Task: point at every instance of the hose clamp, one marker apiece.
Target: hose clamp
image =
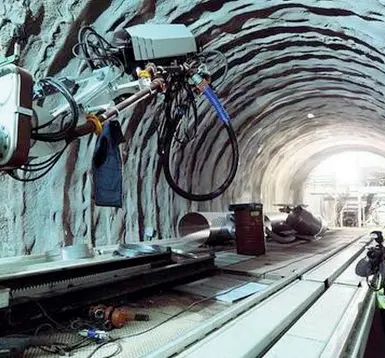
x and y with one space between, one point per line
96 122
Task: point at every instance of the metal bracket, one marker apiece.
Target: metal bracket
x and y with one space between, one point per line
13 59
8 60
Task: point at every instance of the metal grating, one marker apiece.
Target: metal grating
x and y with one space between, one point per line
160 308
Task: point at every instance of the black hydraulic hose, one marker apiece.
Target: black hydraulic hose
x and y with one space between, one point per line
166 143
165 159
74 113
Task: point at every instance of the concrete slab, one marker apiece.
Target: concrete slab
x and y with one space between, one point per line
349 277
334 311
251 333
295 347
333 267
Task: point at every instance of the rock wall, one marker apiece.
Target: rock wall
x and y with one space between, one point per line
287 59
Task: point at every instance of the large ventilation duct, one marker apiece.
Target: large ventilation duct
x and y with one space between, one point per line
211 227
277 228
305 223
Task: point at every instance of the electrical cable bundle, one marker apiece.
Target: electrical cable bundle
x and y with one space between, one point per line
45 166
95 50
178 89
179 107
69 120
66 127
205 55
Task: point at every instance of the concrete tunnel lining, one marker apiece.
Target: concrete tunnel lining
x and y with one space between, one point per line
364 94
288 170
303 172
286 59
288 187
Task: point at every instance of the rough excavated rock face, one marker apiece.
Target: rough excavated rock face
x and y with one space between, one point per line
286 59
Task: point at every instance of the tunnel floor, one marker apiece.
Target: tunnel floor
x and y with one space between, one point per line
282 259
193 303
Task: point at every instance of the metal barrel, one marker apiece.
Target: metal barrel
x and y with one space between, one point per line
249 228
213 227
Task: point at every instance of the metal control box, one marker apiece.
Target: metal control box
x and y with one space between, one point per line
152 41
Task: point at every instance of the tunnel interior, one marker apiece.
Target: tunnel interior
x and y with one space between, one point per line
347 189
305 82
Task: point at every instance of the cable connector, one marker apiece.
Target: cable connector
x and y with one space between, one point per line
95 334
145 77
199 82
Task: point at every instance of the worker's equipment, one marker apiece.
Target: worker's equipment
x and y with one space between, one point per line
107 166
249 228
372 266
114 317
140 62
96 334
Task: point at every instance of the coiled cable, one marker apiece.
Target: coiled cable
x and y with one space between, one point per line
165 152
73 113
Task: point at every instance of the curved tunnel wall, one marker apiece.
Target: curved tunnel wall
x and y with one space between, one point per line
287 172
303 173
286 59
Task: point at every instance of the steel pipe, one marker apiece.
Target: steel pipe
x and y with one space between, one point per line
212 227
112 112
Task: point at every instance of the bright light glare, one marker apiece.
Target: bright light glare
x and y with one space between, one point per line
346 173
349 168
344 167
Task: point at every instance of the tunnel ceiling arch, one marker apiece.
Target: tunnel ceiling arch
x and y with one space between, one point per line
289 59
286 59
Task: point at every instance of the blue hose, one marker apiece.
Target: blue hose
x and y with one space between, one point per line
213 99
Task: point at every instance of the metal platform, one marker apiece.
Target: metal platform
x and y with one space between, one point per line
61 287
324 330
255 325
308 296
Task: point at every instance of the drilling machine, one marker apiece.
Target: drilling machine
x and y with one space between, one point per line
140 62
36 128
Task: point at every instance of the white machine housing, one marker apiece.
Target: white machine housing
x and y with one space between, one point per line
16 113
96 91
151 41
